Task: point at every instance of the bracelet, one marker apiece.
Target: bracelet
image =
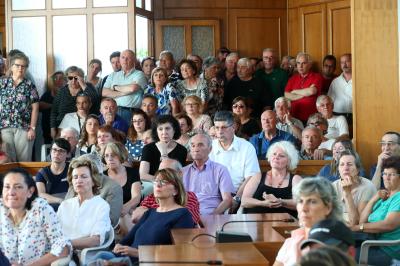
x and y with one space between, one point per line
114 87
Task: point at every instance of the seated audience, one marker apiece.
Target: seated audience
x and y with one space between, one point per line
94 68
353 190
193 107
186 126
211 67
77 119
274 78
65 99
148 64
310 141
167 96
330 171
30 231
150 106
326 256
390 146
328 72
135 140
209 180
85 218
337 125
191 84
285 121
316 200
192 203
72 136
109 116
252 88
165 132
128 178
108 189
51 181
269 134
272 193
235 153
105 135
317 120
303 88
249 126
88 139
381 216
155 225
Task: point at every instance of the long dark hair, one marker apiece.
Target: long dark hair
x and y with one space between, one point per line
132 134
28 180
84 135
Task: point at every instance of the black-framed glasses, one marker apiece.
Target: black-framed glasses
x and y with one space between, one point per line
71 78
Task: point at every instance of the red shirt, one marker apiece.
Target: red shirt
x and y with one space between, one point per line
192 204
305 106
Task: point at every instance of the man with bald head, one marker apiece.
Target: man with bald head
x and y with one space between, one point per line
269 134
245 85
126 86
303 88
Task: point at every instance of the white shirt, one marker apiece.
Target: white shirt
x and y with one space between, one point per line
337 126
341 93
240 159
90 218
72 120
287 128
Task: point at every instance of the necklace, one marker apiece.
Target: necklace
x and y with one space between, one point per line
269 177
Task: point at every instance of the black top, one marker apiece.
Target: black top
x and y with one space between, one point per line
132 177
250 128
47 98
282 192
55 184
152 155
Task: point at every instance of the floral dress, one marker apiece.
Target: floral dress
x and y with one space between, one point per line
165 97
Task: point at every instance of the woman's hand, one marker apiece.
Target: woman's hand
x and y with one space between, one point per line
126 250
271 201
382 194
125 210
81 82
347 183
31 134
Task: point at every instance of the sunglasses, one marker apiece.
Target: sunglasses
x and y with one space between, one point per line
71 78
238 106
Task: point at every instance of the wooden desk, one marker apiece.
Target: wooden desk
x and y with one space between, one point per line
268 237
228 253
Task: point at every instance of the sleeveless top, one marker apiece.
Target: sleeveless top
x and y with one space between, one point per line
132 176
281 192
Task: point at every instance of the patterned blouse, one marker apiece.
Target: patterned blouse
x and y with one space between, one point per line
16 103
38 234
134 149
165 97
215 97
201 89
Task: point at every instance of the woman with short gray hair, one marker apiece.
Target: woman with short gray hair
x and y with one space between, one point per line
211 67
316 200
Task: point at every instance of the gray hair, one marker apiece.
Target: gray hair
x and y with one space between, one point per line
289 149
272 50
95 159
321 98
244 61
353 153
73 130
210 61
325 190
284 100
319 118
167 53
313 128
233 54
305 55
224 116
21 56
206 136
74 69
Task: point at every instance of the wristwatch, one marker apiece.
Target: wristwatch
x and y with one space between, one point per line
362 227
237 199
33 128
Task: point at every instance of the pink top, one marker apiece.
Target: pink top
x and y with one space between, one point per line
290 254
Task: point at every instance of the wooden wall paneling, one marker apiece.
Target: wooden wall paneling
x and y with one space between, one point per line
313 31
294 32
339 28
376 97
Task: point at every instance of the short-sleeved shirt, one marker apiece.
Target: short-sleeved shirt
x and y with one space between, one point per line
72 120
290 252
209 184
337 126
380 211
305 106
132 177
59 183
258 139
274 81
133 100
201 89
240 159
341 92
16 103
165 97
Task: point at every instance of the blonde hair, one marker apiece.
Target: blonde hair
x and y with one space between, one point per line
196 99
94 172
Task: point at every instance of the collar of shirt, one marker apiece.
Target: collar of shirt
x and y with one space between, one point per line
206 165
234 146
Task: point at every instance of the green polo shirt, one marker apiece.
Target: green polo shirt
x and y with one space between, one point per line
274 81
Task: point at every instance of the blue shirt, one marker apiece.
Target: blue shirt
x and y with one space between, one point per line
258 139
326 172
118 123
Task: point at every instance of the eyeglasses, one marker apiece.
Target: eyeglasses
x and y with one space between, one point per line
71 78
161 182
237 106
20 66
58 150
222 127
388 143
390 174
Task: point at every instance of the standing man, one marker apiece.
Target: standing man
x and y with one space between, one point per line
209 180
126 86
115 64
303 88
274 78
167 62
328 72
237 154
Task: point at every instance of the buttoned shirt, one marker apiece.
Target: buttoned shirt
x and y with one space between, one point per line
258 139
341 92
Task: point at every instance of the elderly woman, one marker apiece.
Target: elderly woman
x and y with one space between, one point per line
30 231
354 190
249 126
193 107
272 193
155 225
381 216
95 67
166 94
191 83
165 131
316 200
65 99
148 64
134 140
88 139
19 110
128 178
330 171
211 67
85 218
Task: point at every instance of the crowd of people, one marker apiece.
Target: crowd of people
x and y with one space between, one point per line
154 145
